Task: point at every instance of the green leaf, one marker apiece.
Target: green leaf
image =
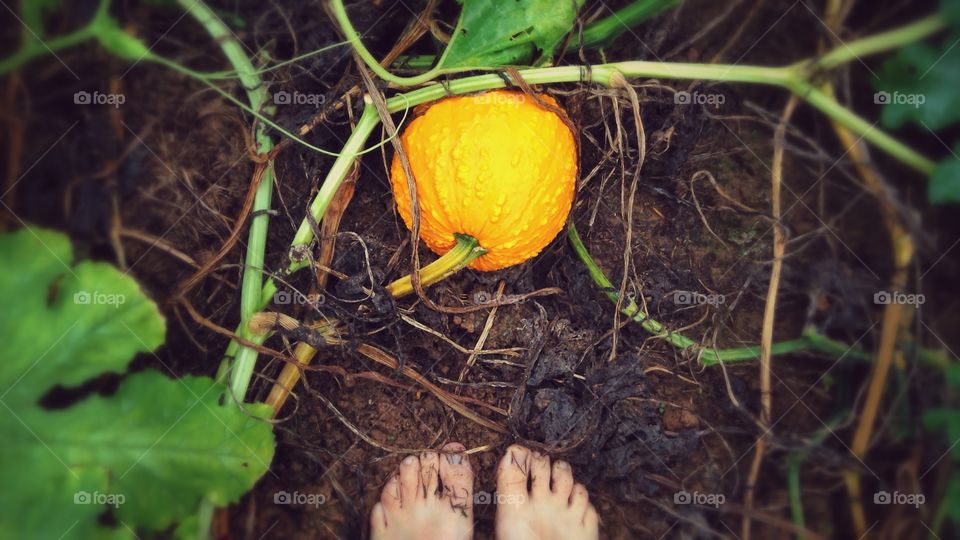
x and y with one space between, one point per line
952 374
71 323
950 9
947 420
515 32
152 451
148 453
918 85
952 495
944 185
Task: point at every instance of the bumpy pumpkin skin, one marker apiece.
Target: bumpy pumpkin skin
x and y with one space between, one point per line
495 166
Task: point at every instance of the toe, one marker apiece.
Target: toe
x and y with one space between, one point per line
378 522
591 522
390 497
410 488
562 479
513 471
579 499
539 474
457 477
429 473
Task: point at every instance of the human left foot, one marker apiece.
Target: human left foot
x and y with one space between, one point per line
430 497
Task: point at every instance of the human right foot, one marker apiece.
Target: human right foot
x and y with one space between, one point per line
552 508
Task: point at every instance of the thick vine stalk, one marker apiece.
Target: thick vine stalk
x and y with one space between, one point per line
252 287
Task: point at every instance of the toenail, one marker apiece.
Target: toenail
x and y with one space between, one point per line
536 454
409 460
429 455
454 459
563 465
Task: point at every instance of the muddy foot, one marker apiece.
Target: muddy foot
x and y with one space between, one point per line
552 508
430 498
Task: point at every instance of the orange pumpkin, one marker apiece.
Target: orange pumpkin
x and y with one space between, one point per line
496 167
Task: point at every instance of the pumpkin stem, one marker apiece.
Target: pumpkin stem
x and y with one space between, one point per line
467 249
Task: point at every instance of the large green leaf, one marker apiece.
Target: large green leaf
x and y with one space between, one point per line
70 323
514 32
153 449
150 452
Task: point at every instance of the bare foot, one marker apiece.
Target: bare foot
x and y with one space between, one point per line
552 508
430 498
